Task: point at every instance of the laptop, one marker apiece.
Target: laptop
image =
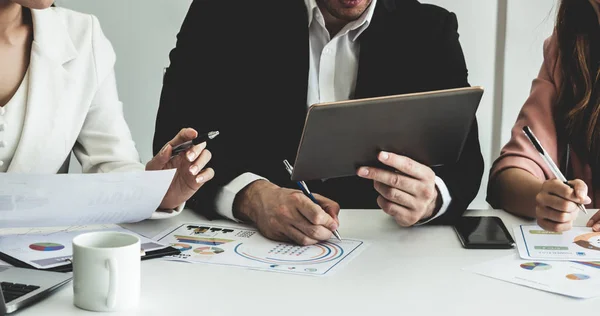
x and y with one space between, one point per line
21 287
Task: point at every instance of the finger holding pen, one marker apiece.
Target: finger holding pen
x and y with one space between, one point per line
194 146
553 167
331 207
318 224
557 204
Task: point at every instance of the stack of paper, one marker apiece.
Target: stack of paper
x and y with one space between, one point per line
53 200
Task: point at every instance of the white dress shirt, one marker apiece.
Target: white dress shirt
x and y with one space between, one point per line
332 77
12 117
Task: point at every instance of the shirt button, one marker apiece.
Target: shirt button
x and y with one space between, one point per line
2 110
2 144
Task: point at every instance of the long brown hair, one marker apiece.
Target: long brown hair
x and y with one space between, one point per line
578 33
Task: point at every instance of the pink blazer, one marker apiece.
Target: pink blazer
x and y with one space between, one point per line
537 113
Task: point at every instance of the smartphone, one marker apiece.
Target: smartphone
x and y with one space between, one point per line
483 232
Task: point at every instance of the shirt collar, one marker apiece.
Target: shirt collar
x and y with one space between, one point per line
358 26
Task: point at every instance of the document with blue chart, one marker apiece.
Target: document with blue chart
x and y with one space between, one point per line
247 248
49 248
578 279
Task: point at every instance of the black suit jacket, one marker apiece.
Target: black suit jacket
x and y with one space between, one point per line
242 67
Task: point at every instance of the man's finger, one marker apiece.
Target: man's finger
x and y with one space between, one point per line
392 179
316 232
313 212
331 207
395 195
298 237
403 216
406 165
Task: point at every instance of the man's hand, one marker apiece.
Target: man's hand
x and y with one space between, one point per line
409 194
285 214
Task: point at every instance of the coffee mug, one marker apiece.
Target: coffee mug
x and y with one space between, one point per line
106 271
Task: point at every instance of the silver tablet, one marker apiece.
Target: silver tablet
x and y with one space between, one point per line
430 128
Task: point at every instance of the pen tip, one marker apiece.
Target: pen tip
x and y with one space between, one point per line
213 134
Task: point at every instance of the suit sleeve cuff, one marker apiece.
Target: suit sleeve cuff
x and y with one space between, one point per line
226 195
446 199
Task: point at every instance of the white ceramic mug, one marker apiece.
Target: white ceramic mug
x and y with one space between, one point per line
106 271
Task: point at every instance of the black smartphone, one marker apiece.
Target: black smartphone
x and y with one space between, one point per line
483 232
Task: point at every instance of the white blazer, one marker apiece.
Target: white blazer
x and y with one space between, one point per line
72 103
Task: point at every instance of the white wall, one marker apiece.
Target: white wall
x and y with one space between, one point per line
143 32
529 24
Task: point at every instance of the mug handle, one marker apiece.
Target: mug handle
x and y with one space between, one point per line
111 297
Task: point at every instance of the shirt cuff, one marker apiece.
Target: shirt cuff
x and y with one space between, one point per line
446 199
226 195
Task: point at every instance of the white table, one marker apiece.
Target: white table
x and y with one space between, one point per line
414 271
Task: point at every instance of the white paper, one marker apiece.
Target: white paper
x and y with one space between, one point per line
28 200
241 247
54 248
570 278
578 244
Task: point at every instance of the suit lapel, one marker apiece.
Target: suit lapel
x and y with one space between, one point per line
48 79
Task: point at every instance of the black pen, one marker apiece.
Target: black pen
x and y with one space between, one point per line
198 140
555 170
304 188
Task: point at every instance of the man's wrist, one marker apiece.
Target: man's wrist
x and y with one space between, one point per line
248 200
434 206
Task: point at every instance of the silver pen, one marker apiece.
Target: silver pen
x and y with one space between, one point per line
306 192
555 170
190 143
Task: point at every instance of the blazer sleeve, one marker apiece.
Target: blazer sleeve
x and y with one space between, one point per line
537 113
462 178
104 143
183 103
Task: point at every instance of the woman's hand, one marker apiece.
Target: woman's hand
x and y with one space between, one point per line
190 175
594 222
556 204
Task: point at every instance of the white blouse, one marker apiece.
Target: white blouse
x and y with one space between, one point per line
12 117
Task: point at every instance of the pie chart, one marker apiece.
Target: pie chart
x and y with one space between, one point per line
208 251
46 246
577 276
181 247
536 266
